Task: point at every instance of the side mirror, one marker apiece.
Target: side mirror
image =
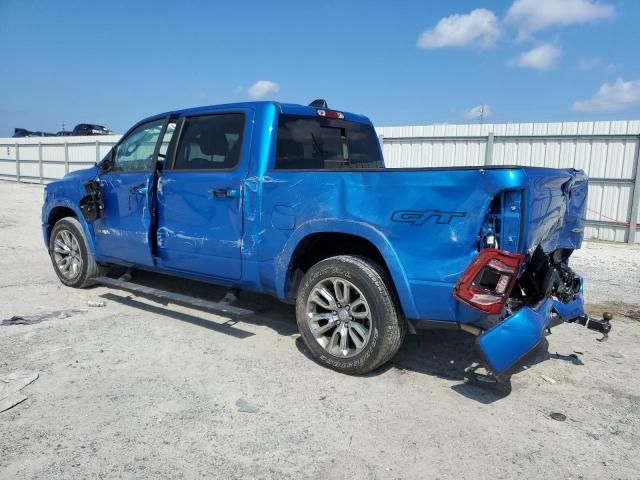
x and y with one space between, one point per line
107 162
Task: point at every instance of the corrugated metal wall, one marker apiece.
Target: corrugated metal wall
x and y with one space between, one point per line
607 151
42 159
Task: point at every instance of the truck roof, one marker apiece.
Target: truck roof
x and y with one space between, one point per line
285 108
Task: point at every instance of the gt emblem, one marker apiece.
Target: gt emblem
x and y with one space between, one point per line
420 217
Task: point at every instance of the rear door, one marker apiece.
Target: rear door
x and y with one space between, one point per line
123 232
200 221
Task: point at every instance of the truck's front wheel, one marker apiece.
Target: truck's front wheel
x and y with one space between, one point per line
348 316
72 260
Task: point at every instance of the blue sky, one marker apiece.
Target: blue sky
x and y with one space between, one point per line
400 63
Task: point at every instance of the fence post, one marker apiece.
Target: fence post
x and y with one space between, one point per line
97 151
17 162
66 157
635 199
488 153
40 162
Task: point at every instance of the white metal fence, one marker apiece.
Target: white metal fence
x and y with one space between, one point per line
42 159
607 151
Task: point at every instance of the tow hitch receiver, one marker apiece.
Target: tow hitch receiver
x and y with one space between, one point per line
603 326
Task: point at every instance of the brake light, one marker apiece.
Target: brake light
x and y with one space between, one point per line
330 113
486 284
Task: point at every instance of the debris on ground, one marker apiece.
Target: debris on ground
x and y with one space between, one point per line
15 320
548 379
246 407
126 276
10 386
230 297
38 317
557 416
572 357
575 359
96 303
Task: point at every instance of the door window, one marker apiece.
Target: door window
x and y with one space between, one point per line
210 142
135 152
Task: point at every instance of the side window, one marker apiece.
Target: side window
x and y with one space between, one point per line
135 153
210 142
320 143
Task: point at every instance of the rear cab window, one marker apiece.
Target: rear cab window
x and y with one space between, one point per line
321 143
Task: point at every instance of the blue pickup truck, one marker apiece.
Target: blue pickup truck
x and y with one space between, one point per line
295 201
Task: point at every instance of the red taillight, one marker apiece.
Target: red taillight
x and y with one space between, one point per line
486 284
330 113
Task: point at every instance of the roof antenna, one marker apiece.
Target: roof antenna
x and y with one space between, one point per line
319 103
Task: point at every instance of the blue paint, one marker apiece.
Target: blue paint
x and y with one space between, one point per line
506 343
247 240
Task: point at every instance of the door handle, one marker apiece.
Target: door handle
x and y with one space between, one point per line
225 192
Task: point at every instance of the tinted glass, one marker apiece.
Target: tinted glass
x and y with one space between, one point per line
135 152
210 142
325 143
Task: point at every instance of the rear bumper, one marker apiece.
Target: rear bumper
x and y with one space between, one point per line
504 345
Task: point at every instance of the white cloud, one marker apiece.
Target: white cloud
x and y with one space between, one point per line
262 88
595 62
541 57
530 16
479 27
475 113
590 63
610 97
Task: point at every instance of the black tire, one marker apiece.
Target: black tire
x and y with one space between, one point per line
387 325
88 268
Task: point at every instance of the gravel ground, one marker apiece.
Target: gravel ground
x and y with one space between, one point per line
141 389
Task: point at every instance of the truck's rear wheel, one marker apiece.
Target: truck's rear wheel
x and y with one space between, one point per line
72 260
347 315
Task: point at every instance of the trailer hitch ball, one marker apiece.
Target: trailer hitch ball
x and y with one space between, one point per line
603 326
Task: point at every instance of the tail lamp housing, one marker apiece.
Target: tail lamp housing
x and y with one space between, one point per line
487 283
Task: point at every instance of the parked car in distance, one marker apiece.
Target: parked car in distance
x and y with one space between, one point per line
23 132
64 133
295 201
86 129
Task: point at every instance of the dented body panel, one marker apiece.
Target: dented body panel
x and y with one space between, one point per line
506 343
244 226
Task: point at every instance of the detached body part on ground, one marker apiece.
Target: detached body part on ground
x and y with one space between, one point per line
294 201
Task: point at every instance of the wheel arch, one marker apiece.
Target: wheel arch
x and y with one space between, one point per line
316 240
61 210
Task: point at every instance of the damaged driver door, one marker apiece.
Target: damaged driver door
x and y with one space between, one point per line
127 187
200 196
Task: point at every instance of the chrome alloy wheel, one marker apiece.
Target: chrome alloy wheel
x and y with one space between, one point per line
339 317
66 253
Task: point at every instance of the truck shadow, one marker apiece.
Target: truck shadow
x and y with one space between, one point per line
445 354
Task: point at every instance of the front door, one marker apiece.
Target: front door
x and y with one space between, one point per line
200 221
123 231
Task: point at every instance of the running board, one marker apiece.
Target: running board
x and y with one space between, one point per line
177 298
